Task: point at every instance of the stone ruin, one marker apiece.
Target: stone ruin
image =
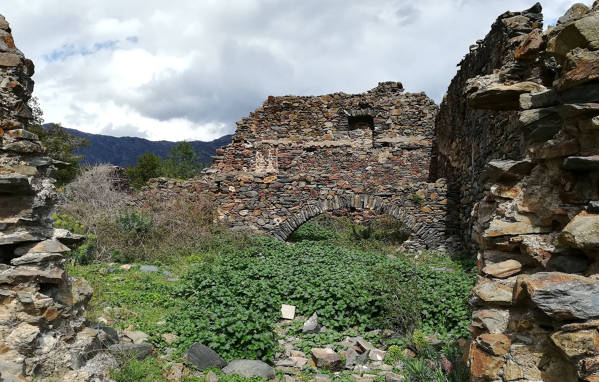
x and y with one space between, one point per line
517 138
508 166
42 329
298 157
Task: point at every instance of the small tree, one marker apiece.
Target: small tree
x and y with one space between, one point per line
182 162
149 166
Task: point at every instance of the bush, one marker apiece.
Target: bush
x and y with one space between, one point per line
147 230
432 295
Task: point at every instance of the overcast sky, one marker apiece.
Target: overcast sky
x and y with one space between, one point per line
188 69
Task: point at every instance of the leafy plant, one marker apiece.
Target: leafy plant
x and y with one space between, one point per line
312 232
394 354
132 221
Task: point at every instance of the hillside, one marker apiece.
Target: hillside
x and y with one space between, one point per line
124 151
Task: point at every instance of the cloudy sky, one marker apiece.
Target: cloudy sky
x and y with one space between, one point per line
188 69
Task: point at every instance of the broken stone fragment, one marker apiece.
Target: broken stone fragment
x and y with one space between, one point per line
311 325
575 12
21 274
499 227
250 368
15 184
559 295
492 320
483 365
582 232
287 312
46 246
494 343
497 96
36 258
540 99
530 47
576 163
203 357
491 292
583 33
9 59
503 269
508 169
577 344
582 66
327 359
23 337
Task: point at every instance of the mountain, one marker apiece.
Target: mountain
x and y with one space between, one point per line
124 151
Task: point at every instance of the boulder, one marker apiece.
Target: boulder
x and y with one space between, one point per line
491 292
583 33
202 357
508 169
503 269
499 96
327 359
250 368
582 66
494 343
483 365
582 232
311 325
577 344
559 295
492 320
575 12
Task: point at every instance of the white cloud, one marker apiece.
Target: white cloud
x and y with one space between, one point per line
189 69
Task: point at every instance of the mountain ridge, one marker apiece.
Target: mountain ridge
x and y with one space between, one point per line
124 151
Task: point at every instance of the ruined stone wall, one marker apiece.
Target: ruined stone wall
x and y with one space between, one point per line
41 307
297 157
518 140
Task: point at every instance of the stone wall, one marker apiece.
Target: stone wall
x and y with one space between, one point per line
41 307
518 139
297 157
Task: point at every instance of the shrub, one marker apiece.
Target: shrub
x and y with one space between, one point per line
434 298
150 229
131 221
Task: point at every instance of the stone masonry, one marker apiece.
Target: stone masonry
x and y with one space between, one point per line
517 138
41 308
297 157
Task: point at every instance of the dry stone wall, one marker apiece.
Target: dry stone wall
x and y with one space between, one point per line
42 329
297 157
517 138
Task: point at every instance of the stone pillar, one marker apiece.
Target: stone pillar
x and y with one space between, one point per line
41 307
537 298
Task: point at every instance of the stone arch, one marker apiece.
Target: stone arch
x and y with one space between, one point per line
426 235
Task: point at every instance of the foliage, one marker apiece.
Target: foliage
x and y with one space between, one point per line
132 221
432 295
148 167
148 370
60 145
233 301
416 198
313 232
394 354
84 252
182 162
154 229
